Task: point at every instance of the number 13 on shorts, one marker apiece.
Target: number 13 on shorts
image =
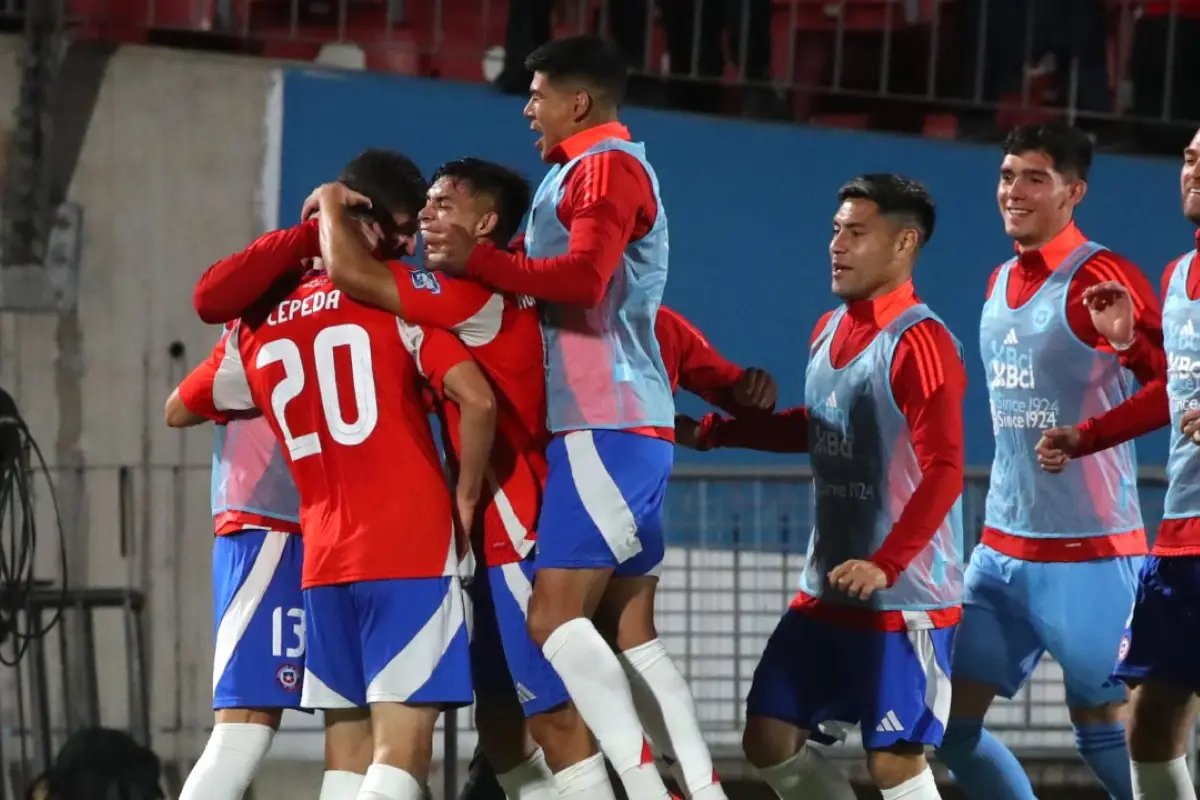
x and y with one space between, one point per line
287 632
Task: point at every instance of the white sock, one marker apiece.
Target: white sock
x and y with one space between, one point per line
228 763
384 782
1162 780
808 774
594 679
338 784
529 780
922 787
587 779
667 710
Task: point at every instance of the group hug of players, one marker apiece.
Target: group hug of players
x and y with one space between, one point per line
350 576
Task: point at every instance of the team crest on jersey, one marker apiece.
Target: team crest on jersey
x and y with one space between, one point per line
425 280
1123 650
288 677
1042 317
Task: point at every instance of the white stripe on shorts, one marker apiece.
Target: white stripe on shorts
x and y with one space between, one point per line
414 665
246 601
937 682
601 497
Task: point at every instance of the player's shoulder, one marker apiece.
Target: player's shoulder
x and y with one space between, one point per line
822 324
1109 265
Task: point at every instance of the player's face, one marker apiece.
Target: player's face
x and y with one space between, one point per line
397 242
1036 201
452 202
1189 180
553 111
865 251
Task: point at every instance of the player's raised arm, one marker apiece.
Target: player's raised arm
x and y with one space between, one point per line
231 286
351 265
695 366
782 432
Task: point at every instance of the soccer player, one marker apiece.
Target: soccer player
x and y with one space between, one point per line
384 610
663 701
1056 568
867 639
259 623
503 337
595 258
1161 672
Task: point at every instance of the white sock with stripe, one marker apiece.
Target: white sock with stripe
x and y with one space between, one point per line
227 765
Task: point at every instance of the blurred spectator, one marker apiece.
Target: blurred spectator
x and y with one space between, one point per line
700 33
531 24
1155 40
1014 40
99 764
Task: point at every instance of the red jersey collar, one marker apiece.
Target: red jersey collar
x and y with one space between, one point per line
1053 253
1198 238
576 145
882 310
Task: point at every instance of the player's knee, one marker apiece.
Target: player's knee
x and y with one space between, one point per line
767 742
1159 722
349 745
267 717
897 764
562 735
962 734
502 731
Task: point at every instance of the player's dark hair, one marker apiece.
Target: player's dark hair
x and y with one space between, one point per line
1068 147
508 191
898 197
594 62
391 180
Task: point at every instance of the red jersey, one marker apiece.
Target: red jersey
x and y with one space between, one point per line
928 381
693 364
501 333
341 392
1119 424
251 487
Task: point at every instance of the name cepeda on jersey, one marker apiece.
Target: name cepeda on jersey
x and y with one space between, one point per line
312 304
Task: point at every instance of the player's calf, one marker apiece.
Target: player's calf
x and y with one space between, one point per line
1161 716
902 773
239 742
349 748
792 768
520 765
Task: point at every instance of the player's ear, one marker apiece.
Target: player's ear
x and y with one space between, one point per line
1077 190
909 241
487 223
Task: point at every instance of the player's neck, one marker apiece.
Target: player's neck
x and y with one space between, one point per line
1038 242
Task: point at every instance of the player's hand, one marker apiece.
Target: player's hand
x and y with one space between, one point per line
857 578
687 432
1190 424
336 194
1056 447
1111 307
755 389
447 246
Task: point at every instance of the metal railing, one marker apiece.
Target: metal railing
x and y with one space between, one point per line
737 538
1090 59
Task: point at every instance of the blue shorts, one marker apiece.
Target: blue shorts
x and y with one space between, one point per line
258 613
895 684
503 655
603 502
1161 641
391 641
1016 610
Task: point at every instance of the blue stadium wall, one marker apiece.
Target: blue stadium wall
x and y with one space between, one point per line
749 206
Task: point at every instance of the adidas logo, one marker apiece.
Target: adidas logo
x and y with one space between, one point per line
524 695
1012 337
831 401
1188 329
889 724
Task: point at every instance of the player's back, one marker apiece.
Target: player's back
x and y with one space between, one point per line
504 337
340 390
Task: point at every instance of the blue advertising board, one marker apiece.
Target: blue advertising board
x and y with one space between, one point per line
750 207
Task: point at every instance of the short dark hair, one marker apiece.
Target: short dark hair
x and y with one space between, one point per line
896 196
595 62
508 191
391 180
1068 147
